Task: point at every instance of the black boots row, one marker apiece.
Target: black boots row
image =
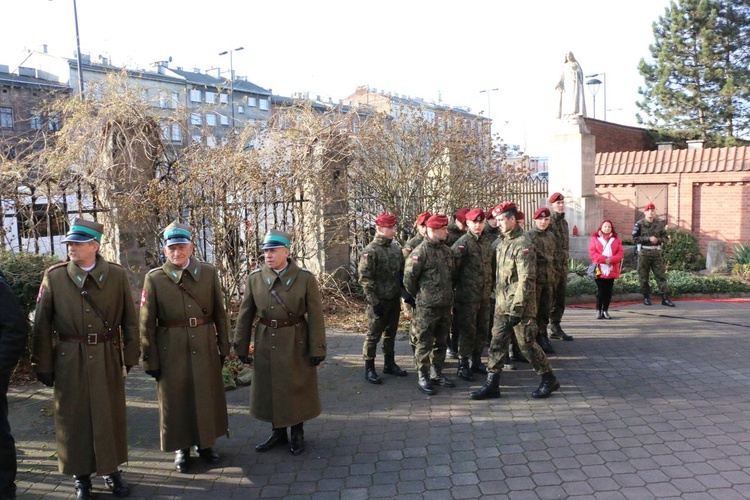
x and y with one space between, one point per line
114 482
389 366
491 388
278 436
664 300
182 458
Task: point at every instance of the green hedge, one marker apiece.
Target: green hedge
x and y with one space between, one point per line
680 282
24 272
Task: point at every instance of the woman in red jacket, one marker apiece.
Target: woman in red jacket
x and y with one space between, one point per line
605 250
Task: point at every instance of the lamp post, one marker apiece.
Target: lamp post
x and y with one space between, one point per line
78 50
231 77
489 107
595 82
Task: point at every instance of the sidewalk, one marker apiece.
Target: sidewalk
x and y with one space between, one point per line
654 404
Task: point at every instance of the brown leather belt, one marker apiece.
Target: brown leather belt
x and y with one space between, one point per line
190 322
280 323
91 338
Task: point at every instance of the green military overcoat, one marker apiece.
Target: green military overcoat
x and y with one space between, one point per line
192 399
89 389
285 383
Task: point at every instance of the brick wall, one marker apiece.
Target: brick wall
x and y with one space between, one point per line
612 137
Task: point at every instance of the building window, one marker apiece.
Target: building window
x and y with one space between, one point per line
195 119
176 133
175 100
6 117
224 120
36 121
241 109
211 119
252 101
196 138
163 100
223 98
210 97
211 141
195 95
53 123
264 104
165 131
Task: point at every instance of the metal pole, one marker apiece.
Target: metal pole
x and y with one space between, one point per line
78 51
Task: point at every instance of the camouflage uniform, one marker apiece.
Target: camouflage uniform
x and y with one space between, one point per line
649 255
559 227
473 257
516 296
428 276
454 233
413 243
544 245
491 233
381 267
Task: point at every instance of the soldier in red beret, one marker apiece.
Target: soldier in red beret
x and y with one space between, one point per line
515 310
544 244
559 227
381 266
428 276
473 255
458 227
649 235
415 240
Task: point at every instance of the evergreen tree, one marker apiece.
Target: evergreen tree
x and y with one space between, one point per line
697 86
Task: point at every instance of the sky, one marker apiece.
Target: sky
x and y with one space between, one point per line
440 51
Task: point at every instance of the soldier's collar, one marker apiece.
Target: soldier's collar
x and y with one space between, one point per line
98 274
175 273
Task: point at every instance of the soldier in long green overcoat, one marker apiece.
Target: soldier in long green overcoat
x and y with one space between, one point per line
290 342
184 339
84 348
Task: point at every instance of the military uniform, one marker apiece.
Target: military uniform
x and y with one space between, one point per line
544 245
410 245
71 342
428 276
473 257
559 228
381 267
650 257
454 233
184 335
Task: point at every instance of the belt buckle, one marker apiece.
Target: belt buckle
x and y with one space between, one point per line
274 324
192 322
89 337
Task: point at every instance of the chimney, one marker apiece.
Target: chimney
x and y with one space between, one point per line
665 146
695 144
44 48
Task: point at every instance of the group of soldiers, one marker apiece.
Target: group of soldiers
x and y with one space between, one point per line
478 281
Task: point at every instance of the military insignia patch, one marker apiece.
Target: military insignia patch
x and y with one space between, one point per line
526 250
415 258
39 295
461 247
144 297
364 255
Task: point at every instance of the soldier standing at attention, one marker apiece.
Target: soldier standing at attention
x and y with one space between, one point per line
290 342
559 227
429 278
184 339
415 240
473 255
516 306
491 231
650 235
544 245
85 340
455 231
381 268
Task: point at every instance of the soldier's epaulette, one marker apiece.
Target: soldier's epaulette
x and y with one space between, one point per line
305 270
57 266
256 270
114 264
154 270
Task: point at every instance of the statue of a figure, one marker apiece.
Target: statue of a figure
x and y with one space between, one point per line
572 103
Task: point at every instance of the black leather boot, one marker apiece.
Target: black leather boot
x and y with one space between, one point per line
298 439
490 389
545 344
646 300
438 378
278 436
116 484
548 386
182 460
83 487
556 332
391 368
425 385
370 374
476 364
464 371
665 301
208 455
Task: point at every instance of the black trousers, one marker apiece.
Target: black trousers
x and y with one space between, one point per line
8 465
604 293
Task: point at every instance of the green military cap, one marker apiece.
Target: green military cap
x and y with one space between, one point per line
84 230
176 233
275 238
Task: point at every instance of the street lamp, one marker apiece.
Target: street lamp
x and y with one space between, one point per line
489 107
595 82
231 77
78 51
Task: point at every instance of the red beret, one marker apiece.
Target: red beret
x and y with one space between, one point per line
650 206
437 221
541 212
475 214
556 197
504 207
422 218
385 220
488 214
461 215
521 215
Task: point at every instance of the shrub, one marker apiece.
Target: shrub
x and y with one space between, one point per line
741 253
741 270
578 267
681 251
24 272
680 282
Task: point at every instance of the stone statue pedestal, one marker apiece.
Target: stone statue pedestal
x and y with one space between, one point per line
571 172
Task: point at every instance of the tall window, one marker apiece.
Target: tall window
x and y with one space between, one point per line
176 133
264 104
36 121
195 119
175 100
224 119
210 119
241 109
195 95
252 101
210 97
6 117
223 98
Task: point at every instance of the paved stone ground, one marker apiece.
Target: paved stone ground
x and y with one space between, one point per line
654 404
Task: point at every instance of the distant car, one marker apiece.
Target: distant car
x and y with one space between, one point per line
542 176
